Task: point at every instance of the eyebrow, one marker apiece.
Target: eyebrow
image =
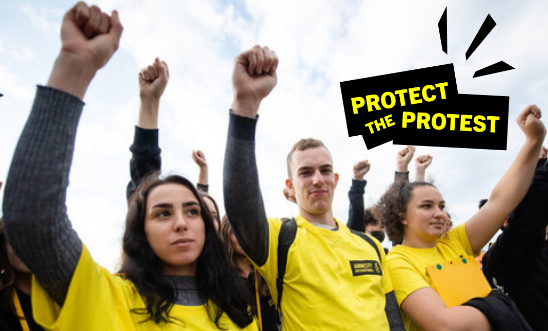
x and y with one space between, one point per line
431 201
310 168
170 205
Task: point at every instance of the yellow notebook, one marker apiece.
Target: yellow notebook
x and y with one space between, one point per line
459 280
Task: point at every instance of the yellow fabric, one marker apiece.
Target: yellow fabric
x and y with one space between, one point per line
98 300
320 291
407 265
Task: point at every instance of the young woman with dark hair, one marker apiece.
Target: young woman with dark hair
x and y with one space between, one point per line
175 273
414 214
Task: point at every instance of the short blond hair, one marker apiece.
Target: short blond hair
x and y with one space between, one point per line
303 145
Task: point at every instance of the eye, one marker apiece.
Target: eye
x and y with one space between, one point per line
326 171
162 214
193 211
304 173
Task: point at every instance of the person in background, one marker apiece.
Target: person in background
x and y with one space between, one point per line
517 263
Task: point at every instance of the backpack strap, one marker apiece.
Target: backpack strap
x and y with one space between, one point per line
285 239
369 240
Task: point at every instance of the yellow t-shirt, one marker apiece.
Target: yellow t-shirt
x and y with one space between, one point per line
333 279
407 265
99 301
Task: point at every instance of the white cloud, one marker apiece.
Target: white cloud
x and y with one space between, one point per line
320 43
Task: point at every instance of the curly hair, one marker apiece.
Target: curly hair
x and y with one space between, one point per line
215 279
392 207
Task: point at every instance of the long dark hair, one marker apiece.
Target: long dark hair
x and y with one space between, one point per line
215 280
7 274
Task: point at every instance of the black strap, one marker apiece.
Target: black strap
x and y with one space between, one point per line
285 239
369 240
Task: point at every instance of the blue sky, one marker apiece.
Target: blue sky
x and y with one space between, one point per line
320 43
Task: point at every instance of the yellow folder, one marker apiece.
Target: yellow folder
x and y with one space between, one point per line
459 280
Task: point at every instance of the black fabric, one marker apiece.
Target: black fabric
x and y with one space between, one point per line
501 311
269 314
285 239
145 157
517 262
356 220
10 322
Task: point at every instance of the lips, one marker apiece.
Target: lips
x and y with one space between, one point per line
182 242
318 192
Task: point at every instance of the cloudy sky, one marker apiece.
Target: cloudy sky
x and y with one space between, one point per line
320 43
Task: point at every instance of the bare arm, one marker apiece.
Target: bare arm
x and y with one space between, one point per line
513 185
37 224
403 158
425 307
253 78
421 163
200 160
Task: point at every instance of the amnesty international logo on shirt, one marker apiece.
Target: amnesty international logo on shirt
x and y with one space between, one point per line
365 267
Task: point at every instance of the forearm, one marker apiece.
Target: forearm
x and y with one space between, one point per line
148 113
356 219
34 205
203 177
145 157
514 184
242 194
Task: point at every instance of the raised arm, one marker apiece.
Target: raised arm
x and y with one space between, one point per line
403 158
145 150
203 180
513 185
356 219
253 78
421 163
37 225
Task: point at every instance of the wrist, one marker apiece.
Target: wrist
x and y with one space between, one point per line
402 168
245 106
71 74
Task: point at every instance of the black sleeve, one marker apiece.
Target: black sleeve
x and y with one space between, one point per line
393 312
401 176
34 206
522 240
202 187
242 194
356 219
145 157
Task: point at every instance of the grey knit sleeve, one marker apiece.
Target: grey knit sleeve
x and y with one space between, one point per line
242 194
35 213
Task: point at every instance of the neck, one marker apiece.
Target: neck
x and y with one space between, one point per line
417 243
322 218
24 283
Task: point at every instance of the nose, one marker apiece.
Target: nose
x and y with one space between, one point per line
179 222
440 214
317 179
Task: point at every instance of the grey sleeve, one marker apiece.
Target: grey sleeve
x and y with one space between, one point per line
242 194
393 312
35 213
